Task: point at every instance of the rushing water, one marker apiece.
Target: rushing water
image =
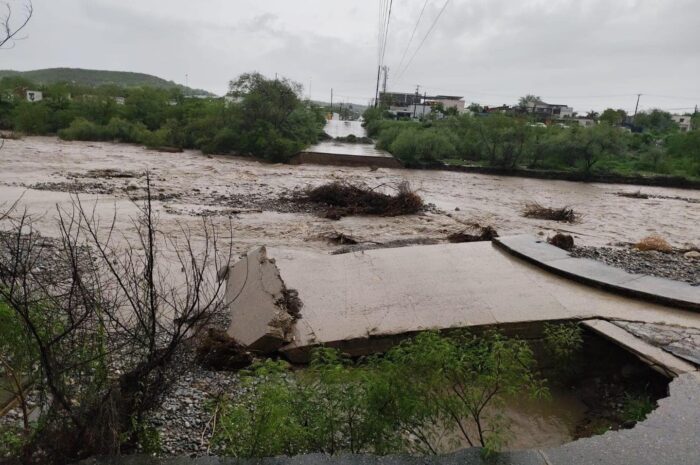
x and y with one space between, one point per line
192 181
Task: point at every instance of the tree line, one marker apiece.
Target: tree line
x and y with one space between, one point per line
515 141
261 117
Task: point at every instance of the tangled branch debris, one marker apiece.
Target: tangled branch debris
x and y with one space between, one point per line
339 199
564 214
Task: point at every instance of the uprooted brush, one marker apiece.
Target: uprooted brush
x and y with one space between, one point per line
564 214
338 199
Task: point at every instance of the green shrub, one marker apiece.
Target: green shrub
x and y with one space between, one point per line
563 340
82 129
337 405
637 407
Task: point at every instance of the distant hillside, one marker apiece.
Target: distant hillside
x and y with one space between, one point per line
94 78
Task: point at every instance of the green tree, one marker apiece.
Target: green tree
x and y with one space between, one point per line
275 123
656 121
528 100
613 117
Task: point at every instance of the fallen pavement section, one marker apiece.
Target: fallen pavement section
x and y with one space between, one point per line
361 302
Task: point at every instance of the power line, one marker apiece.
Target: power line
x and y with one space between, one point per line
432 26
386 33
410 41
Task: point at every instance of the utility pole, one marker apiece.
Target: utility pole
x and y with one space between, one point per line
636 107
331 102
415 100
386 73
187 80
376 92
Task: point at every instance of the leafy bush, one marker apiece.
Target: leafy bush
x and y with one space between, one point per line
563 341
457 383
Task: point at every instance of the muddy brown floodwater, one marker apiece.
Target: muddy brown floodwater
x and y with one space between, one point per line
190 184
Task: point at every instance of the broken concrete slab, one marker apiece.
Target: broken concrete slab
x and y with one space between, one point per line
261 317
361 302
656 358
680 341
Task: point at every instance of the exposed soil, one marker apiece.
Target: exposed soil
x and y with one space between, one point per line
674 265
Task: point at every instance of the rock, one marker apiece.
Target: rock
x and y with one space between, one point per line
692 254
219 351
563 241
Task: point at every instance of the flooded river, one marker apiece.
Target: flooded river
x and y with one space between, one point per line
42 170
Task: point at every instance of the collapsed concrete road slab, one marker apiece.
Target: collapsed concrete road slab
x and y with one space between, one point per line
262 308
361 301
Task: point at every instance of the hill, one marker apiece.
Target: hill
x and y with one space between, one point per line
94 78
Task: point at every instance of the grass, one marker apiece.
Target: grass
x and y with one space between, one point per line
563 214
344 199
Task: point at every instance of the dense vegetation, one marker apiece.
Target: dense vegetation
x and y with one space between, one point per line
96 78
261 117
424 396
514 141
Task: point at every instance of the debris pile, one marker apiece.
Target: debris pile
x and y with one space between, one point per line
564 214
338 199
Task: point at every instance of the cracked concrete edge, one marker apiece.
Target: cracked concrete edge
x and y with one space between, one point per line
662 296
660 360
255 296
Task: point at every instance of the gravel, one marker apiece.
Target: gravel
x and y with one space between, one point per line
185 420
674 266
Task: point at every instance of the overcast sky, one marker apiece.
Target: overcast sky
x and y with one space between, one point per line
590 54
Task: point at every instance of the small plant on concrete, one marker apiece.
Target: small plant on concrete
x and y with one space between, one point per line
457 385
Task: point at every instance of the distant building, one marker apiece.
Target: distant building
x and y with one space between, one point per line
584 122
120 100
684 122
447 102
34 96
551 110
400 99
406 105
501 109
417 111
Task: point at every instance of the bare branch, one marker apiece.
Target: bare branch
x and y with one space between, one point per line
9 31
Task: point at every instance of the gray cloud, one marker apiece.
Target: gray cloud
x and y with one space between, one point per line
588 53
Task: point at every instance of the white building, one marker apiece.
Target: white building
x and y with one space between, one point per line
120 100
584 122
34 96
416 111
683 121
447 102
